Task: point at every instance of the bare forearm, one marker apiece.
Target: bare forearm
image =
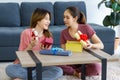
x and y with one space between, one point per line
97 46
63 46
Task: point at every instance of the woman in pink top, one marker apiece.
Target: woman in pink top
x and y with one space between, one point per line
76 21
32 39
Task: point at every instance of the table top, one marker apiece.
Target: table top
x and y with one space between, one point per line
76 58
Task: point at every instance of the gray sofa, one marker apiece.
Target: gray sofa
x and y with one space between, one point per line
15 17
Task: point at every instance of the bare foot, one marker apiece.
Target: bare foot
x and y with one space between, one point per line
77 74
17 79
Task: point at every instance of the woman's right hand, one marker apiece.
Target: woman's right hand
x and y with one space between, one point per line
32 43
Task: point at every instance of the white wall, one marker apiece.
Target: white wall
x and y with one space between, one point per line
94 15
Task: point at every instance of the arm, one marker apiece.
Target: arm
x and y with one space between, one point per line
63 46
97 43
31 44
62 39
25 43
29 47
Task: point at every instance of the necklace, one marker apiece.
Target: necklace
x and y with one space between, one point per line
40 34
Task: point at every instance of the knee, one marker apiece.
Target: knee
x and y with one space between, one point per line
58 71
69 70
93 69
9 70
16 71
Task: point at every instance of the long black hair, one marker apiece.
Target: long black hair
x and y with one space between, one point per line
74 11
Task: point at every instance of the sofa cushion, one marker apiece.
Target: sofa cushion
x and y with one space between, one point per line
59 8
104 32
9 14
28 7
56 30
10 36
8 53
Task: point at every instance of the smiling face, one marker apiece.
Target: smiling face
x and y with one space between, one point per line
40 18
68 18
44 23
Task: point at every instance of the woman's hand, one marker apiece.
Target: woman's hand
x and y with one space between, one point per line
44 46
88 45
31 44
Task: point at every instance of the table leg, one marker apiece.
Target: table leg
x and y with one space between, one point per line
38 65
104 64
83 77
104 69
39 71
29 73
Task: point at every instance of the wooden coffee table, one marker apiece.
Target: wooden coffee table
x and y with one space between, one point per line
30 59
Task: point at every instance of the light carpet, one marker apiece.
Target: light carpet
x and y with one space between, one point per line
113 73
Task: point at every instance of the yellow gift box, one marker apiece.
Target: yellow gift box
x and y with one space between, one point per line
74 46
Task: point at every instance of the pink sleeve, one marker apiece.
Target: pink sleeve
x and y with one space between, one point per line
24 40
50 45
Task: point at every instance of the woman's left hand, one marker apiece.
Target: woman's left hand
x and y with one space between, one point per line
88 45
44 46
